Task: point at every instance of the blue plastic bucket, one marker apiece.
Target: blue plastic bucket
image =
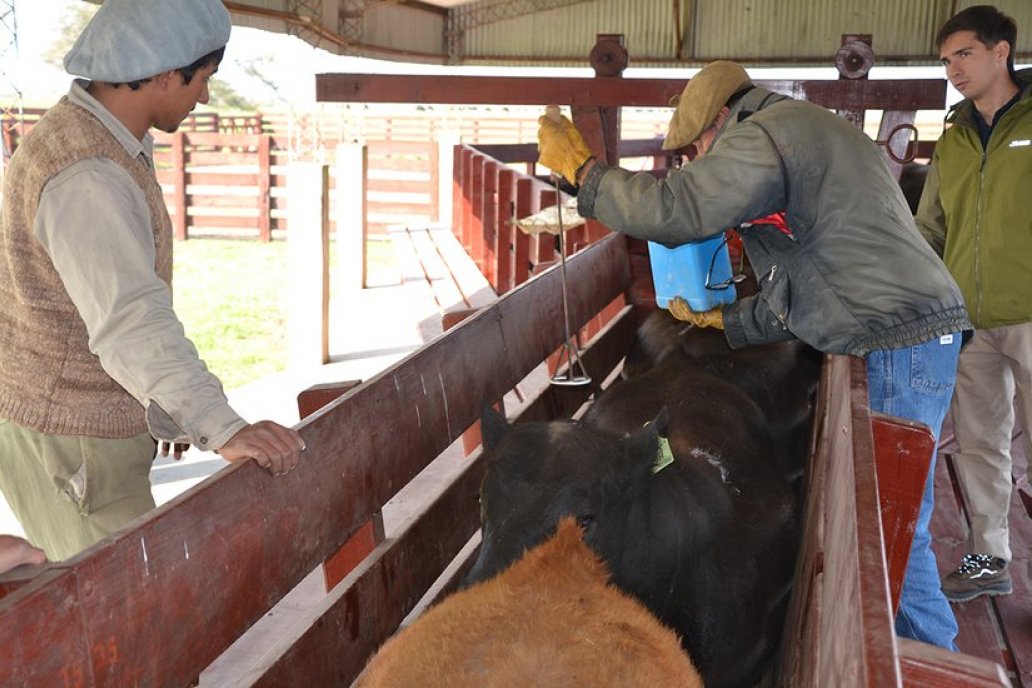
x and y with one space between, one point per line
681 271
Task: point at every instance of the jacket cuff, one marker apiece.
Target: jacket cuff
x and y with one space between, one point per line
589 189
734 331
218 427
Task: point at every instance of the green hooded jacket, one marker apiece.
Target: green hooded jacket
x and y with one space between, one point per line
976 210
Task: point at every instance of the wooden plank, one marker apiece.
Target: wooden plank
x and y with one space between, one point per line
527 203
474 287
876 621
842 94
393 164
264 189
362 612
369 535
201 202
927 666
223 221
178 206
490 220
903 452
839 630
409 267
45 604
220 158
464 229
420 148
407 186
438 274
197 177
1014 611
504 216
475 248
397 209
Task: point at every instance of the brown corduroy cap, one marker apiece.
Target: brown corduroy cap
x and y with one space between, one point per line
699 103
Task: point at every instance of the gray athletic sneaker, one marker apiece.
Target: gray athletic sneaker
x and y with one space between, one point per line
978 574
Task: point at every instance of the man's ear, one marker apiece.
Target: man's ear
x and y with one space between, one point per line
1002 50
164 80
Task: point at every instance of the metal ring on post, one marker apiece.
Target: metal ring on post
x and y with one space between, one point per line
908 156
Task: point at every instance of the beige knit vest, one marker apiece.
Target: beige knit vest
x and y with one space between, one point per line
49 380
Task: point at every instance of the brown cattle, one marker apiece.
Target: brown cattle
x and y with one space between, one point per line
552 619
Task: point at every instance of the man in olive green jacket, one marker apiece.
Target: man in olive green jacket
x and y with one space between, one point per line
976 211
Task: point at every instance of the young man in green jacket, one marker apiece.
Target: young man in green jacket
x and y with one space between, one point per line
976 211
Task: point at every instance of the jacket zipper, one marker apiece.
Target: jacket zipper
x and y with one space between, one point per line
979 216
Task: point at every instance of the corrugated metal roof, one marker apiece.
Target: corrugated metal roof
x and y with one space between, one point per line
656 33
754 32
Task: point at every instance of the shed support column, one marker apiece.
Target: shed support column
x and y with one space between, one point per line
308 294
352 168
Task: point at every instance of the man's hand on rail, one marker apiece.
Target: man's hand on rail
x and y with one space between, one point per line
15 551
271 445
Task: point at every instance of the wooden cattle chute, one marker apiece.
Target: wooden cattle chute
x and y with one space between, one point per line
158 602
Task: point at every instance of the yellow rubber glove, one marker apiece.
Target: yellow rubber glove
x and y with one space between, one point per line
680 309
561 148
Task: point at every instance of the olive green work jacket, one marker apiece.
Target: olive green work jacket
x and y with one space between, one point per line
976 210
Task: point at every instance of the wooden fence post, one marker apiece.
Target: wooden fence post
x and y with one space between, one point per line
447 140
527 203
352 168
506 230
308 294
264 187
179 192
489 247
476 228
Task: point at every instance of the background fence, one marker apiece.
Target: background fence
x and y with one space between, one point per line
225 174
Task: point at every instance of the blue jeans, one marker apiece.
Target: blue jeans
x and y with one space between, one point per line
917 383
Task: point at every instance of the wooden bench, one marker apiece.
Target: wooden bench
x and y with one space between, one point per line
434 254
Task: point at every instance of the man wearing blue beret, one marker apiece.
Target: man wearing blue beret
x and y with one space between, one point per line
94 363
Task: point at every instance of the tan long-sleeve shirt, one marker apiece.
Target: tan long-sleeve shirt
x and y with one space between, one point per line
94 222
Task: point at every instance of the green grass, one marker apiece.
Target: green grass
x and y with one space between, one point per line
231 296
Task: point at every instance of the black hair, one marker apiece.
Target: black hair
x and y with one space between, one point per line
990 26
187 72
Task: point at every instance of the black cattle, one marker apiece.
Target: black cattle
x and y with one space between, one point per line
780 377
708 540
912 181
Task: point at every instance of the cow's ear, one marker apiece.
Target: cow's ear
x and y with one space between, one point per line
645 443
493 426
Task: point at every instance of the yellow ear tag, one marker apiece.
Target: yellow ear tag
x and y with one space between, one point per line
664 457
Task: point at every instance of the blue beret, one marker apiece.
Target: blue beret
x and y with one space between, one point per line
129 40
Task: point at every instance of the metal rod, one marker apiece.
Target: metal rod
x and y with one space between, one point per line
572 378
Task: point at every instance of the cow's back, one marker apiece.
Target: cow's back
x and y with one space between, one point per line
551 619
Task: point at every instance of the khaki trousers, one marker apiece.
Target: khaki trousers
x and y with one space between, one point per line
994 377
70 491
